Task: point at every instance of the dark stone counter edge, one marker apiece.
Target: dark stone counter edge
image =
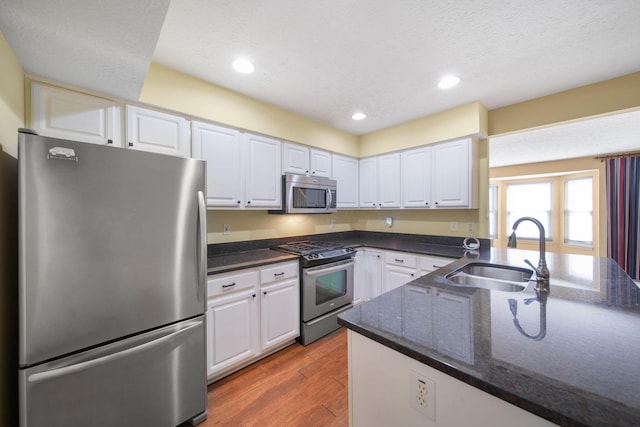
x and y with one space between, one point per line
450 247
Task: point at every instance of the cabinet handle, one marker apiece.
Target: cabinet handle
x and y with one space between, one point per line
399 260
437 266
109 141
130 144
230 285
278 274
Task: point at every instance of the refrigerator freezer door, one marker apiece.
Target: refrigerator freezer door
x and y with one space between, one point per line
110 244
153 379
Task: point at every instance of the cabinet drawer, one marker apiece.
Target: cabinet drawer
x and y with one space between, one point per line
229 282
399 258
278 272
433 263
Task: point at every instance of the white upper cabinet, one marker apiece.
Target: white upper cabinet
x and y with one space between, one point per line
243 170
320 162
295 158
221 148
158 132
303 160
263 183
345 172
380 181
389 180
454 174
66 114
368 172
416 178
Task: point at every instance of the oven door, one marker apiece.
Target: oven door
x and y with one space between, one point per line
326 287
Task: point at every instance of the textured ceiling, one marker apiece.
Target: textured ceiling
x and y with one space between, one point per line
327 59
618 133
105 46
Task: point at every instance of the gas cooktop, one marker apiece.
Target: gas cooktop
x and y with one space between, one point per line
317 252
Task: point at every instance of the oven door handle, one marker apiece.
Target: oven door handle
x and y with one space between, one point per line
328 268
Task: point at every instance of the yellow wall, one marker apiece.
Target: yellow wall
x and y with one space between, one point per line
466 120
176 91
11 98
11 118
599 98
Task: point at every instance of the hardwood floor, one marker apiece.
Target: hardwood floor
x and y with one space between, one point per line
298 386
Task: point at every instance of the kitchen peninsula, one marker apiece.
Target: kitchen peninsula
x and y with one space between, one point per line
500 358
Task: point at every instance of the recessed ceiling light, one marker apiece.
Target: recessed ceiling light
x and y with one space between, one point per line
448 81
359 116
243 66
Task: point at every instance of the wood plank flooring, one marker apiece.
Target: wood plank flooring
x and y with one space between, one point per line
298 386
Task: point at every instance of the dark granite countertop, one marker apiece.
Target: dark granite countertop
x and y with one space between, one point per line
572 359
235 260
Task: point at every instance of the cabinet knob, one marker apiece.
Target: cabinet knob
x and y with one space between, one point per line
426 203
238 201
436 203
130 144
374 205
249 202
264 292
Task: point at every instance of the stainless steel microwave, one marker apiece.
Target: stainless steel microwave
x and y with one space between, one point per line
307 194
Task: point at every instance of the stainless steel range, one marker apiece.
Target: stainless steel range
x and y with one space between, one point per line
326 285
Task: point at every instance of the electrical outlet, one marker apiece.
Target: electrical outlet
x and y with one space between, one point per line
453 226
422 392
226 229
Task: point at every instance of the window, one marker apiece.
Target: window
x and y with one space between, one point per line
493 211
578 211
529 199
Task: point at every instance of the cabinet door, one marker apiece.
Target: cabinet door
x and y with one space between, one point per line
345 172
220 147
451 164
373 268
416 178
232 330
65 114
280 313
163 133
360 285
396 276
320 163
263 185
389 180
295 158
453 325
368 172
417 317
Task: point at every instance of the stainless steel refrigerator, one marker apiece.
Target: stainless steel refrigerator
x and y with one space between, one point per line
112 279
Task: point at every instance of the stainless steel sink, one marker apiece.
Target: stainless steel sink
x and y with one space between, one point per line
491 276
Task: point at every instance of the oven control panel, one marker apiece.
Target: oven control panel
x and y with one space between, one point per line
329 254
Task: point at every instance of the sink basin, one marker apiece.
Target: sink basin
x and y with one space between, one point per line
491 276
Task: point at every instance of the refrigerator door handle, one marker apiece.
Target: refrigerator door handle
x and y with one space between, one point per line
88 364
202 222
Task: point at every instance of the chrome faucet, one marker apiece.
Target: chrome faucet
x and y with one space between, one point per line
542 272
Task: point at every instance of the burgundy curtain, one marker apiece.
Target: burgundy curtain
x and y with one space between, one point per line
623 222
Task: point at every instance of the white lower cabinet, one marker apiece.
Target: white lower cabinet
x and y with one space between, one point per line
250 313
367 274
279 322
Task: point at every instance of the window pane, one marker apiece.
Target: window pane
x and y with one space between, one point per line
579 211
493 211
532 200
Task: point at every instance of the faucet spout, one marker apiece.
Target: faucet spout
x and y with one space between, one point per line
542 271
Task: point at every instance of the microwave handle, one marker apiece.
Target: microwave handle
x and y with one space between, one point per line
329 198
